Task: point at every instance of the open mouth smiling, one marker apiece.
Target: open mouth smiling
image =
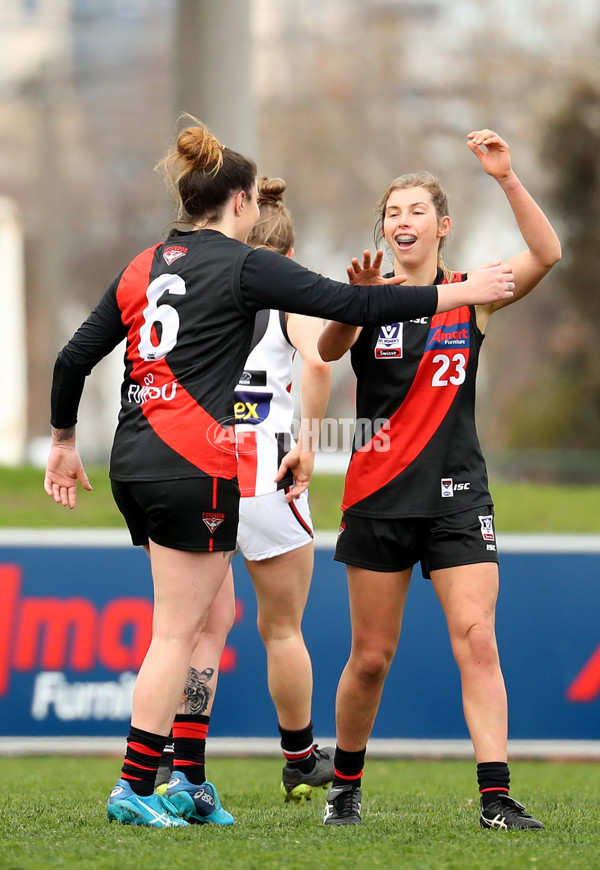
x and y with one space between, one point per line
405 241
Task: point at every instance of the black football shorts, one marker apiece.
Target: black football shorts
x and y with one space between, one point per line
464 538
199 514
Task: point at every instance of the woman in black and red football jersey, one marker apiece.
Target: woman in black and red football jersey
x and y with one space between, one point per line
275 532
416 489
186 309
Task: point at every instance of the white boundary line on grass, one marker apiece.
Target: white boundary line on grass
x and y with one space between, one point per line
324 540
269 747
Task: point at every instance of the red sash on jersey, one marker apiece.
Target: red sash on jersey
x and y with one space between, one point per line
181 423
412 426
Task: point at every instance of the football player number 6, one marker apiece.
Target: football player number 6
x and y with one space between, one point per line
454 367
164 314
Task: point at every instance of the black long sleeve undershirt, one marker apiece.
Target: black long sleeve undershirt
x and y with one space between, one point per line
269 280
95 338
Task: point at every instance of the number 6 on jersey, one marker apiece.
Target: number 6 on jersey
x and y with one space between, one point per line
164 314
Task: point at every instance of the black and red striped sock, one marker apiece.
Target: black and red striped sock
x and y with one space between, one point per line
189 742
142 759
493 778
348 767
167 756
297 748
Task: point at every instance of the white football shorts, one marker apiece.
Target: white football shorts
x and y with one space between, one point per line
270 526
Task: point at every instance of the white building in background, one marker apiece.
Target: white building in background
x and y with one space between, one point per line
13 408
32 33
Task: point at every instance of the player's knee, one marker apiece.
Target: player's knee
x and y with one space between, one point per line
372 665
229 617
184 633
272 631
480 645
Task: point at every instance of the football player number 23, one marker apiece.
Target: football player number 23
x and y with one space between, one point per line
164 314
450 370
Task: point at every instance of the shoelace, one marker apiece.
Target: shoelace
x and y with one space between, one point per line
509 807
347 802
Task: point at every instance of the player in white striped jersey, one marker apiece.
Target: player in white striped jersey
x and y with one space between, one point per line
275 533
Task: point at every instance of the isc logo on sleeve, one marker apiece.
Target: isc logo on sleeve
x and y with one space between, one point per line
449 487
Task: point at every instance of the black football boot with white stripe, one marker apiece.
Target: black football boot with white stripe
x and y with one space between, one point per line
504 813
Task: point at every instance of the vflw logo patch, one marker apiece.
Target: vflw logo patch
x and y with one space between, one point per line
212 521
389 342
487 528
173 252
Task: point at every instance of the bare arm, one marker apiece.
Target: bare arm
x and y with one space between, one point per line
315 386
336 339
543 247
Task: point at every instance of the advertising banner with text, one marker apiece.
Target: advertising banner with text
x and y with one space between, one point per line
75 622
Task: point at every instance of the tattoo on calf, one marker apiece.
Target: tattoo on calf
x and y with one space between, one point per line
197 693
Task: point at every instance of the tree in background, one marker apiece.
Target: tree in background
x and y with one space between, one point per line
564 411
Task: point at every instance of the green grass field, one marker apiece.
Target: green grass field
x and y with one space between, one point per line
417 814
520 507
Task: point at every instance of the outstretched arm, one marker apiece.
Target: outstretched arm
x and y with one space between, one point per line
492 281
543 247
268 280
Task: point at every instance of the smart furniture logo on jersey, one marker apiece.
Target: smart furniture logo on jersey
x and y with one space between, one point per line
442 337
47 636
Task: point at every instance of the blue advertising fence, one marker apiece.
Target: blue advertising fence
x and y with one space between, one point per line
75 623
